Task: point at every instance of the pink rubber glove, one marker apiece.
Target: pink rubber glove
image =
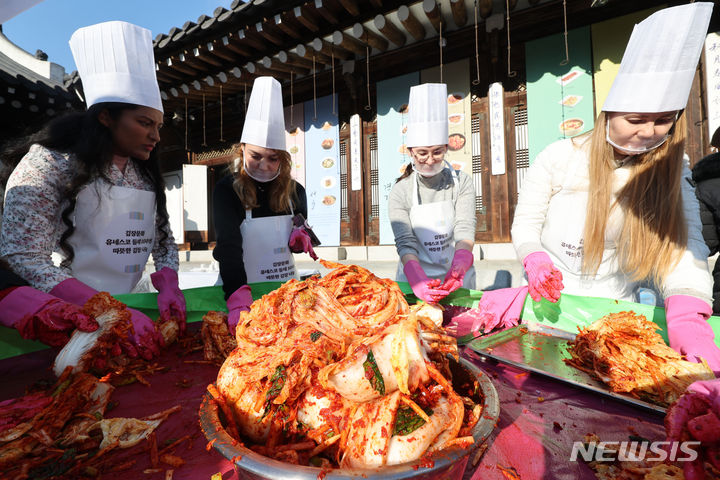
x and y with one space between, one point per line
40 316
300 242
239 301
424 288
544 280
171 301
688 330
500 307
146 337
696 416
461 263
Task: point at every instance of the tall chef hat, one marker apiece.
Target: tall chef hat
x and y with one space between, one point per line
659 63
265 118
116 64
427 115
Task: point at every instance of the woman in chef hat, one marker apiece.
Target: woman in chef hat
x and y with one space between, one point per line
432 206
254 206
602 212
90 187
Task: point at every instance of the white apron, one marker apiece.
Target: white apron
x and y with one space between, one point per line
562 238
266 253
114 236
433 225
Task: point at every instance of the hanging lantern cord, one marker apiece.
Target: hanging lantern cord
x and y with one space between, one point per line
332 60
186 125
567 52
314 92
510 73
367 76
477 48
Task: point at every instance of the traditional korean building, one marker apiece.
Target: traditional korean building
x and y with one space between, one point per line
521 74
32 90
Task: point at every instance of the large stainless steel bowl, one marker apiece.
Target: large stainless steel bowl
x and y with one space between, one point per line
445 464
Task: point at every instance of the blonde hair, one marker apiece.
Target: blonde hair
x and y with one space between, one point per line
282 190
654 232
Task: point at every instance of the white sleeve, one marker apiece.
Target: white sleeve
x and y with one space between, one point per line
691 276
539 186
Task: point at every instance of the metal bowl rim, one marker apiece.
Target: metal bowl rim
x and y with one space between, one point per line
270 468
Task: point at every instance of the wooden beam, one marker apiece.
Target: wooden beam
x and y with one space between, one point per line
309 53
294 59
376 3
390 31
265 31
411 23
323 9
203 55
349 43
459 12
231 43
182 67
247 38
275 64
432 11
485 8
350 6
222 52
325 48
307 17
257 70
289 25
368 36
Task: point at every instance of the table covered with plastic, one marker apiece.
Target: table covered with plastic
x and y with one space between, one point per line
540 418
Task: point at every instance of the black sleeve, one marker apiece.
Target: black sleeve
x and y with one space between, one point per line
302 200
228 214
708 214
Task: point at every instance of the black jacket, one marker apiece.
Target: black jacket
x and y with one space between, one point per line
228 214
706 175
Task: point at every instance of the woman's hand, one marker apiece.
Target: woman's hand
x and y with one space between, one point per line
171 301
544 280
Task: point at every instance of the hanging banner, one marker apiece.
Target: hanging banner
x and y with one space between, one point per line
559 97
457 77
712 82
392 108
496 104
609 39
295 141
355 153
322 170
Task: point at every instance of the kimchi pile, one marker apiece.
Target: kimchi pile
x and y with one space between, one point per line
340 371
625 351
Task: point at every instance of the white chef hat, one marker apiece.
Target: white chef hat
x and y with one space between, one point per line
265 118
116 64
427 115
659 63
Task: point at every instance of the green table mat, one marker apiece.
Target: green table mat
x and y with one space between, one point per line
567 314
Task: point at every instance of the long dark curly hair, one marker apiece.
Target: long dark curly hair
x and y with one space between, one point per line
83 136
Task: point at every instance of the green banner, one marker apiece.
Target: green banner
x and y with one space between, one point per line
559 94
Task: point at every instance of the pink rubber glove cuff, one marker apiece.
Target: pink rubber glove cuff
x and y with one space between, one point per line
171 301
544 280
461 263
74 291
424 288
239 301
688 330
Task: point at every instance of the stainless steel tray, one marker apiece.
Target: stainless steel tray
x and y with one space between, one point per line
541 349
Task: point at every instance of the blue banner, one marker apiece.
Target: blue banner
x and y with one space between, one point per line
322 169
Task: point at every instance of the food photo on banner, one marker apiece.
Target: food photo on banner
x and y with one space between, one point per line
559 93
322 169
